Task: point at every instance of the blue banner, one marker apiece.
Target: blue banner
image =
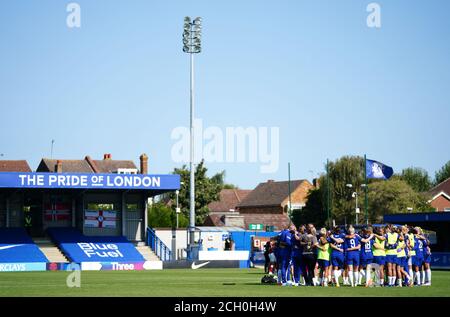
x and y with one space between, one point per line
440 260
89 181
378 170
23 267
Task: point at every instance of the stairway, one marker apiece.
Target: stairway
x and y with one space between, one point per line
147 253
50 250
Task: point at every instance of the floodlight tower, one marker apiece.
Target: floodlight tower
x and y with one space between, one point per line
192 45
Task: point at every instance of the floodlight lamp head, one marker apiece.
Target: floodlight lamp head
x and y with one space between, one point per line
197 21
187 20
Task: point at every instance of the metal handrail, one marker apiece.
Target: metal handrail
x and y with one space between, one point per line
156 244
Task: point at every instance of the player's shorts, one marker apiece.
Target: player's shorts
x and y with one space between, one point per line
427 258
352 258
391 258
380 260
418 261
402 262
366 261
410 260
323 263
337 260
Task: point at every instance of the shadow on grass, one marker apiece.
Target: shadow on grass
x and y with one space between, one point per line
259 284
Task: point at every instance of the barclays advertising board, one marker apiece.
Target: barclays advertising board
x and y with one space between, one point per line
89 181
23 267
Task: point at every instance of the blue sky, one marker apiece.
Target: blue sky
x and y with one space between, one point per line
333 86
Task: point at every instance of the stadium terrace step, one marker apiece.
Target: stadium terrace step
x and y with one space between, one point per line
80 248
147 253
50 250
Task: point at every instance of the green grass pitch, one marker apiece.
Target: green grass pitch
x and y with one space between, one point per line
190 283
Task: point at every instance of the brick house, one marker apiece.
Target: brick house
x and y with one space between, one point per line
440 196
267 204
224 211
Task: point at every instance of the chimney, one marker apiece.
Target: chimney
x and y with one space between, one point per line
106 156
58 166
316 183
144 163
270 180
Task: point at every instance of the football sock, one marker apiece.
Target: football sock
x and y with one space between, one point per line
423 276
336 277
356 278
418 278
361 275
351 279
428 276
368 277
390 280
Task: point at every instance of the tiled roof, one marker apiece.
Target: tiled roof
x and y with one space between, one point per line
85 166
442 187
214 220
14 166
229 199
111 166
73 166
270 193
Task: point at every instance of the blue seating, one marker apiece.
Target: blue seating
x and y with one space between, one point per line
80 248
16 246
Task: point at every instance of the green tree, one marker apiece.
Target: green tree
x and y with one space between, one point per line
442 174
314 211
417 178
390 196
162 215
394 196
207 190
219 179
346 170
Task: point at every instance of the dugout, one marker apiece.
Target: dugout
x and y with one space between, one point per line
438 222
107 200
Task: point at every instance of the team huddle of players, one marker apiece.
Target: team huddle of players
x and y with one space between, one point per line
397 256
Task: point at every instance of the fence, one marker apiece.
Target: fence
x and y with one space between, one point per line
160 249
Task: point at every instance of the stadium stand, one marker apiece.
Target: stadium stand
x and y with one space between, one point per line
80 248
16 246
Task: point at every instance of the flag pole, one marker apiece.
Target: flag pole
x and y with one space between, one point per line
289 185
328 194
366 202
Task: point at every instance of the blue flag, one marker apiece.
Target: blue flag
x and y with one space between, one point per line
378 170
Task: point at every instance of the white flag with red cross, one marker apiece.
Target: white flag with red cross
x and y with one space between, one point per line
100 218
